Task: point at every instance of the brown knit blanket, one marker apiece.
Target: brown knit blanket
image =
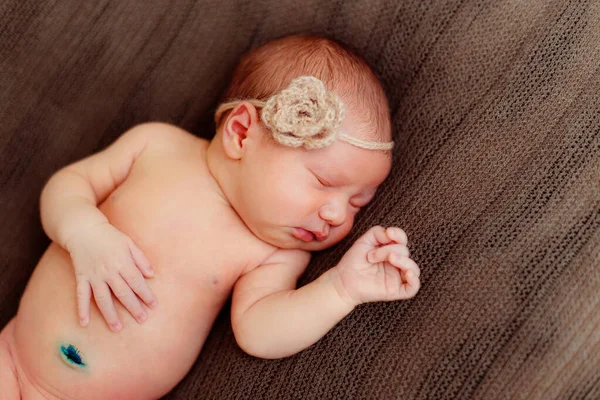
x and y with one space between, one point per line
496 178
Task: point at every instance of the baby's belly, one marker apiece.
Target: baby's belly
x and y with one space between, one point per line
142 361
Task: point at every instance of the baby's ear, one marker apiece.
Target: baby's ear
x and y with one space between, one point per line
240 124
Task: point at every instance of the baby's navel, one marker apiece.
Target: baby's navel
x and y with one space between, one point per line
72 356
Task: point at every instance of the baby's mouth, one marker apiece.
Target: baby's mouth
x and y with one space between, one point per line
309 236
320 236
304 235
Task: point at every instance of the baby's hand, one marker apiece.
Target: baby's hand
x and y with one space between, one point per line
105 258
378 268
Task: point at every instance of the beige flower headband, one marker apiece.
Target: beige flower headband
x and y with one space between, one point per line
305 114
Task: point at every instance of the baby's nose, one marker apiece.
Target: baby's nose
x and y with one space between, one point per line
334 215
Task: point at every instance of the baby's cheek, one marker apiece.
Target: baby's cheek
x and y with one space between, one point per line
293 200
344 230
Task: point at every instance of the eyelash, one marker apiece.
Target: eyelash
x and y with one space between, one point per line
325 184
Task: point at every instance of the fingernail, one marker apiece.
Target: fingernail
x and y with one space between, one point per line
370 257
153 303
115 327
151 272
83 321
142 317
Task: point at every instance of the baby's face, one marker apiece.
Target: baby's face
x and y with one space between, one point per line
307 199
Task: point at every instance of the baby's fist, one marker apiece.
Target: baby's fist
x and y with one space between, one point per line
378 267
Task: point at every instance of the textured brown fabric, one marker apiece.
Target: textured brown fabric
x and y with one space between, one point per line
496 177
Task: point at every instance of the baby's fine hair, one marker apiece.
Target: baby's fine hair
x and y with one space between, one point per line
267 69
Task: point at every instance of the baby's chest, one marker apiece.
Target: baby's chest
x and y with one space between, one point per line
188 235
204 248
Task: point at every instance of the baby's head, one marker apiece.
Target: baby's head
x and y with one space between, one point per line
303 141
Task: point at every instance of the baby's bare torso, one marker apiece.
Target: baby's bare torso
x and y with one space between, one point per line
170 207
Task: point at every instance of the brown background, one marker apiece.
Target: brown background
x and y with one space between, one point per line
496 177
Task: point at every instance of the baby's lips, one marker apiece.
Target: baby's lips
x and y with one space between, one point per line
321 235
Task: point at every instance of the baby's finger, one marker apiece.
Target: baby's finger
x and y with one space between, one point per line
375 236
382 254
138 284
411 287
140 260
405 264
126 296
397 235
84 293
106 306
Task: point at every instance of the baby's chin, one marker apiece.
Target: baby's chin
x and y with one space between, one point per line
309 246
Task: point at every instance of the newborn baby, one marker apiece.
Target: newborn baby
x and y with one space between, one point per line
162 226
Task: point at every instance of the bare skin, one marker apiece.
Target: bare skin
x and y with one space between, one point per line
191 285
205 222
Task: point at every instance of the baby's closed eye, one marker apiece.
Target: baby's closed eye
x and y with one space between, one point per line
322 181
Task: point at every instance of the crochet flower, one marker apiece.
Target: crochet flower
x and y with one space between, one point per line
304 114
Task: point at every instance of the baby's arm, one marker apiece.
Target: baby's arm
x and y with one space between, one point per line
271 319
68 202
104 258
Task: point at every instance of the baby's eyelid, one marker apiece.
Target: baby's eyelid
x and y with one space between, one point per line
321 181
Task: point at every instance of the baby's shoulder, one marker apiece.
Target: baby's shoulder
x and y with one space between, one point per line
168 136
168 144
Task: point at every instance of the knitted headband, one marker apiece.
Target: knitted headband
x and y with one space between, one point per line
305 114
